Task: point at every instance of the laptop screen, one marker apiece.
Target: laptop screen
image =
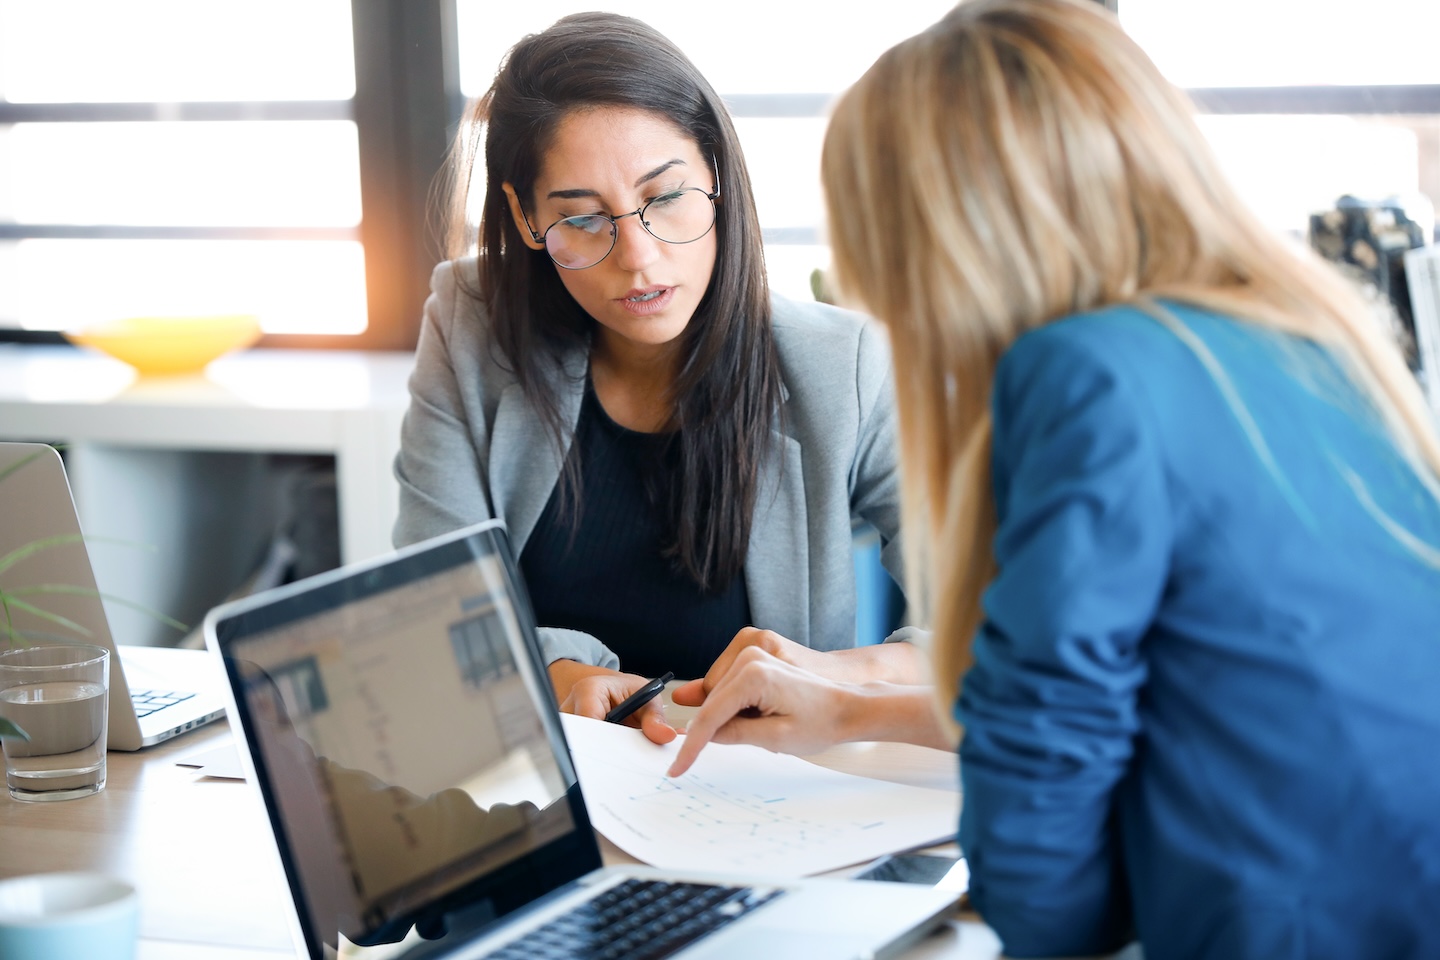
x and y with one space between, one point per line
406 742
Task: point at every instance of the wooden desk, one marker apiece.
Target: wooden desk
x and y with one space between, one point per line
210 886
191 845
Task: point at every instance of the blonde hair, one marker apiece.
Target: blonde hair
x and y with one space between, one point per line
1018 162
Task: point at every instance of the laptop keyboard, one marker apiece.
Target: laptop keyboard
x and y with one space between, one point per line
148 701
637 920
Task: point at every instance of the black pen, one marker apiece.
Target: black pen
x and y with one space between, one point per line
638 699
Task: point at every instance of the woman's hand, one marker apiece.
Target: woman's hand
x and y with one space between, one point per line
594 691
763 700
776 646
890 662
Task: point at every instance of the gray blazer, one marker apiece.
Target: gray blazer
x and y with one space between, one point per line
472 447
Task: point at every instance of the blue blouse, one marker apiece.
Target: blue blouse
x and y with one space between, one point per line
1205 704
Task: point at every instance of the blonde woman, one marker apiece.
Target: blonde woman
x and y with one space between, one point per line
1176 501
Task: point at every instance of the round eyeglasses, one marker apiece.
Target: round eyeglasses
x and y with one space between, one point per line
681 216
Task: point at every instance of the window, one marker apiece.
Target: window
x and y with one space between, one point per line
1307 100
182 157
278 156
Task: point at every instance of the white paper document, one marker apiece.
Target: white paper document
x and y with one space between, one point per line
221 762
745 809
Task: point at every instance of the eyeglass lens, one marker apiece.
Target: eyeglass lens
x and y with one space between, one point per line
680 217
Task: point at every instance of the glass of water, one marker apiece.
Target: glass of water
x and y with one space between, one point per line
59 695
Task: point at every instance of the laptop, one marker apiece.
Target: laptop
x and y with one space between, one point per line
155 693
397 720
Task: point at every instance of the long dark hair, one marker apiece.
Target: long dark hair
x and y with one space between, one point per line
728 387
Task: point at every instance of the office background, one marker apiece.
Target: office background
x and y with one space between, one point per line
280 157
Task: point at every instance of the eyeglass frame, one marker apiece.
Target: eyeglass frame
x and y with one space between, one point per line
712 196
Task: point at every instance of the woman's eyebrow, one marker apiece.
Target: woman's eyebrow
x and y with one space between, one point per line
659 170
571 194
583 193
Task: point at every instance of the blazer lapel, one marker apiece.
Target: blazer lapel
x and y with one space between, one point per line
777 568
524 463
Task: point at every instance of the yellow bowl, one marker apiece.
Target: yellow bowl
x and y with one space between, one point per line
160 345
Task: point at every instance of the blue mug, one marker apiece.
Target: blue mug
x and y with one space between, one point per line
59 916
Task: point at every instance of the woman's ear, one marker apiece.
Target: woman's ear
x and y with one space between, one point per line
521 224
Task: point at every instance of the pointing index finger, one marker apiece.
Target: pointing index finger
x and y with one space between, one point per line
737 693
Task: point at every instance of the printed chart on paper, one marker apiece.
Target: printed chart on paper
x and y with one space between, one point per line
745 809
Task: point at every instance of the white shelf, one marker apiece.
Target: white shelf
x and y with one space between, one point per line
137 443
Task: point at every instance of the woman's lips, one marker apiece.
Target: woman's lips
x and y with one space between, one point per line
658 299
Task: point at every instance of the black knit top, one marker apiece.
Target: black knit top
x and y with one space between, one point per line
607 576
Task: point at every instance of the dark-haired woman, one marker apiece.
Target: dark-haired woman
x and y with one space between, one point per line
678 455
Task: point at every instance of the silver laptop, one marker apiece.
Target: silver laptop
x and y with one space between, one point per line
155 693
398 723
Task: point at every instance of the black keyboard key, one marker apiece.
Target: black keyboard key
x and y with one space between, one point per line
637 920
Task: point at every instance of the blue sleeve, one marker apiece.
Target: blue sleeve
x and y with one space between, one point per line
1050 705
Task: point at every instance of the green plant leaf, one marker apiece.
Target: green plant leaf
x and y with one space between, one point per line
20 463
10 599
9 729
12 636
168 621
35 546
30 608
73 591
820 286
